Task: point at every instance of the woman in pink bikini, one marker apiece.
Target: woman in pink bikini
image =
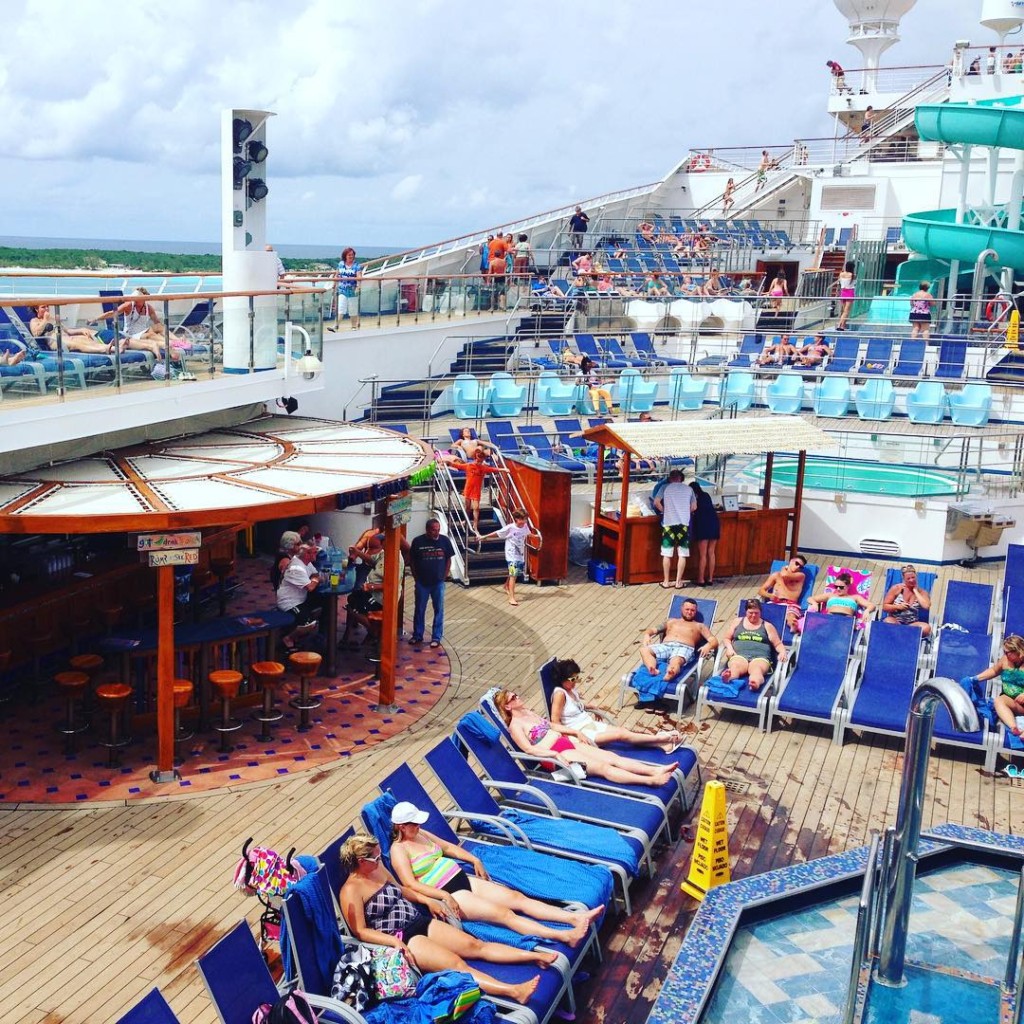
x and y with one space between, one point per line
847 293
536 735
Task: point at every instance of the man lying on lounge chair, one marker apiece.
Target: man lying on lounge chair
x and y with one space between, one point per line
679 639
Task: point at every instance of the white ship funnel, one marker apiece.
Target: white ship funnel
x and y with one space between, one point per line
1002 16
874 27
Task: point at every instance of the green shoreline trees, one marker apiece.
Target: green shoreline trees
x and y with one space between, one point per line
152 262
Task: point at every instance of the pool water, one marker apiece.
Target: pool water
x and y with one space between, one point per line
861 477
794 968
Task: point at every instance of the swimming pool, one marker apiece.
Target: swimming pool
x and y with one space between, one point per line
859 476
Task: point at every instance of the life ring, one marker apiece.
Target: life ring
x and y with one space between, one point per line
701 162
996 310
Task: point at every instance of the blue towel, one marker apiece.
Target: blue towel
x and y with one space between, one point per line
325 925
719 689
566 834
986 708
378 814
650 687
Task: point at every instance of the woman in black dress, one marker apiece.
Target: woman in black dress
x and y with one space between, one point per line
706 532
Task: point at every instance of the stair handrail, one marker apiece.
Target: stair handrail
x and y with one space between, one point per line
510 498
455 511
862 934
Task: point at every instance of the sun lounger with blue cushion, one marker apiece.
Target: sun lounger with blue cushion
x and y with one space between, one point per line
586 345
535 437
683 686
687 775
880 700
1013 573
152 1008
615 356
541 875
844 356
632 810
577 840
963 654
968 606
811 688
643 343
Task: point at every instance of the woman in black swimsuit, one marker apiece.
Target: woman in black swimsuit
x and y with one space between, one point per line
380 911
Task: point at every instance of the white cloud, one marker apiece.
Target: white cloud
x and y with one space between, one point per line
112 108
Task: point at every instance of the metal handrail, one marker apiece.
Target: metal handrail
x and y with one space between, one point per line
1010 977
862 934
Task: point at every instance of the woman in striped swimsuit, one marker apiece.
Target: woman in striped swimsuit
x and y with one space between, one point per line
428 866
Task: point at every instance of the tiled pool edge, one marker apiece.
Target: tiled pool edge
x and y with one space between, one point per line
692 976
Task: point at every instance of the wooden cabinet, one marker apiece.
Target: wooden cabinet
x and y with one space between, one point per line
547 492
751 539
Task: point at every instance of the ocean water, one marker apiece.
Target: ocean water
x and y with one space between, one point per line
325 250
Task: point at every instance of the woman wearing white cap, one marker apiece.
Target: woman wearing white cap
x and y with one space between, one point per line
428 866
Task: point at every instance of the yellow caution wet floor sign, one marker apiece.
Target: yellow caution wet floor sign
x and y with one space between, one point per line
709 865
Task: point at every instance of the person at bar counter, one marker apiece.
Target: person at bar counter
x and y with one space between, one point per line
296 594
676 503
430 559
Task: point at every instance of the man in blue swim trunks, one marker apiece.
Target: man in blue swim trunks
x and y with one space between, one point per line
679 638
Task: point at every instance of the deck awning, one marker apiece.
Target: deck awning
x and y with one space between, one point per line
749 435
268 468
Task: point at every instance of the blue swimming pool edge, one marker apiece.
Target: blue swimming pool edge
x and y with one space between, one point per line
692 977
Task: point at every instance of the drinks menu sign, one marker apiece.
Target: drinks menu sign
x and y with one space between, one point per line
168 541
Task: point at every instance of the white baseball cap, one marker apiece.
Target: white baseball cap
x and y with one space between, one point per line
405 813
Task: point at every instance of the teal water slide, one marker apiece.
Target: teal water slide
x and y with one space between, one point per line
934 234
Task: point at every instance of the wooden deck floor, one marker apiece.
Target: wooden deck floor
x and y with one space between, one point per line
103 902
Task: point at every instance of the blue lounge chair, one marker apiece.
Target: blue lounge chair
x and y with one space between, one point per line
687 775
239 980
502 435
832 397
811 688
576 840
785 394
554 396
615 356
150 1009
1013 573
686 392
968 605
685 684
964 654
535 437
970 407
751 348
877 356
633 393
506 397
911 358
1013 613
627 810
927 403
398 428
952 360
586 344
880 701
644 345
875 400
470 401
844 356
737 391
540 875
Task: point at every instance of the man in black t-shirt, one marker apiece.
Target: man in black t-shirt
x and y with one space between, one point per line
430 559
577 228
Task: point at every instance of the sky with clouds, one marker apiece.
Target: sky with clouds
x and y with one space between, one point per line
401 121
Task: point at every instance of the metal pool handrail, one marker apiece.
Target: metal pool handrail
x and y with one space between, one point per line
862 936
1014 955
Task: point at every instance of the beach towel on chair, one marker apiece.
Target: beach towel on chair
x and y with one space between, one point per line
650 687
861 586
719 689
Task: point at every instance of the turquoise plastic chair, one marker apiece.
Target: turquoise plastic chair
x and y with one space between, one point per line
738 391
469 400
927 402
554 396
633 393
832 397
785 394
971 406
685 392
876 399
507 397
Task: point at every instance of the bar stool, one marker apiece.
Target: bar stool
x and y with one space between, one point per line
305 664
269 675
183 690
226 682
376 620
112 700
90 664
222 568
73 687
111 616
